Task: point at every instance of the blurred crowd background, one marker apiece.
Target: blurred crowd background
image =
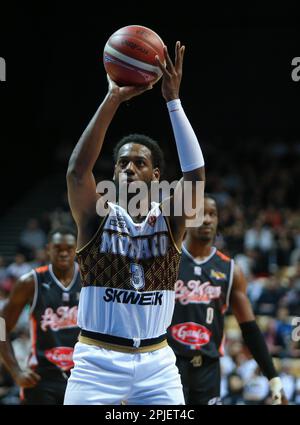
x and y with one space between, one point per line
255 183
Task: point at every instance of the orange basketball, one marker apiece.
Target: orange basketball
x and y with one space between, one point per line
129 56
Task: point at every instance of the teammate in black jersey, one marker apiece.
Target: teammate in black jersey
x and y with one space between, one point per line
208 283
53 292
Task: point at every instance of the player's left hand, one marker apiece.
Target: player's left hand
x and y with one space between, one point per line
172 73
278 396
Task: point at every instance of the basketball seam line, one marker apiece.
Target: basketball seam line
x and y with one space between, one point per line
139 64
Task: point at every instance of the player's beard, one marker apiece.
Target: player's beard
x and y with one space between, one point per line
209 237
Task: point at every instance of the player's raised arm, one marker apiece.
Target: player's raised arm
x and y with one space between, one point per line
189 151
21 295
80 179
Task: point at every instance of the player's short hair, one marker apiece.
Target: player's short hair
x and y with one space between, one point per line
208 195
158 160
63 230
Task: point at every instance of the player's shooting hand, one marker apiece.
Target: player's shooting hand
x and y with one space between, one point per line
278 396
172 73
27 378
122 94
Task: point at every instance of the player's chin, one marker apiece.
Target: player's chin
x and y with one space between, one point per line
63 264
205 236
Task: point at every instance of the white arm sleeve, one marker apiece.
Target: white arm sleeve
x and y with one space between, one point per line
189 151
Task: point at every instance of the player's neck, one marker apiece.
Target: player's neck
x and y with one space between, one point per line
64 276
199 250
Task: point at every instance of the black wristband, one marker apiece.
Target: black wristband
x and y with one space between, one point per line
257 346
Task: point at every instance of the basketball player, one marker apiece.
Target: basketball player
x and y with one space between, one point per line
128 263
208 283
53 292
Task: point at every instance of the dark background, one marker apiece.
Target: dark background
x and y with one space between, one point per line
236 84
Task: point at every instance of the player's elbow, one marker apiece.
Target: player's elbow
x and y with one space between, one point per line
197 175
75 171
71 171
77 166
200 174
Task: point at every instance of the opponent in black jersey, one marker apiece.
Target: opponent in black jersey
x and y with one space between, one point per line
202 292
208 282
53 292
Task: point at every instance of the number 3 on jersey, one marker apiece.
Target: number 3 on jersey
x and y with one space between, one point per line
209 315
137 279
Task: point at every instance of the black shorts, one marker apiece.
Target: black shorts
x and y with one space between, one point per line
201 383
50 390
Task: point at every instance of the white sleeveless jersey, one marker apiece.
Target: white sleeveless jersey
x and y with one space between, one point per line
128 272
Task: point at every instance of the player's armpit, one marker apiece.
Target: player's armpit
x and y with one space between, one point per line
186 207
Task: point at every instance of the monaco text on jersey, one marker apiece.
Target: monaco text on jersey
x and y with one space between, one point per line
134 248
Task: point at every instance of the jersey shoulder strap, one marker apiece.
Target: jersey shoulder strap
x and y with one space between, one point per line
223 256
42 269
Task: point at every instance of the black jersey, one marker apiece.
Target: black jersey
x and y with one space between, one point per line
53 318
201 299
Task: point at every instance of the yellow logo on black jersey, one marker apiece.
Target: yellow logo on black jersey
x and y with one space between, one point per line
218 275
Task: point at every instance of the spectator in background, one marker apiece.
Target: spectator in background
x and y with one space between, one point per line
19 267
271 338
41 258
62 216
256 389
292 299
235 238
288 380
284 248
235 386
296 397
32 238
283 331
246 260
272 293
254 290
259 236
45 222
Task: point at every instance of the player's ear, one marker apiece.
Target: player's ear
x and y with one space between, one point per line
156 173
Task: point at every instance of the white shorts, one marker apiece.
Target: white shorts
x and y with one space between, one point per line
102 376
